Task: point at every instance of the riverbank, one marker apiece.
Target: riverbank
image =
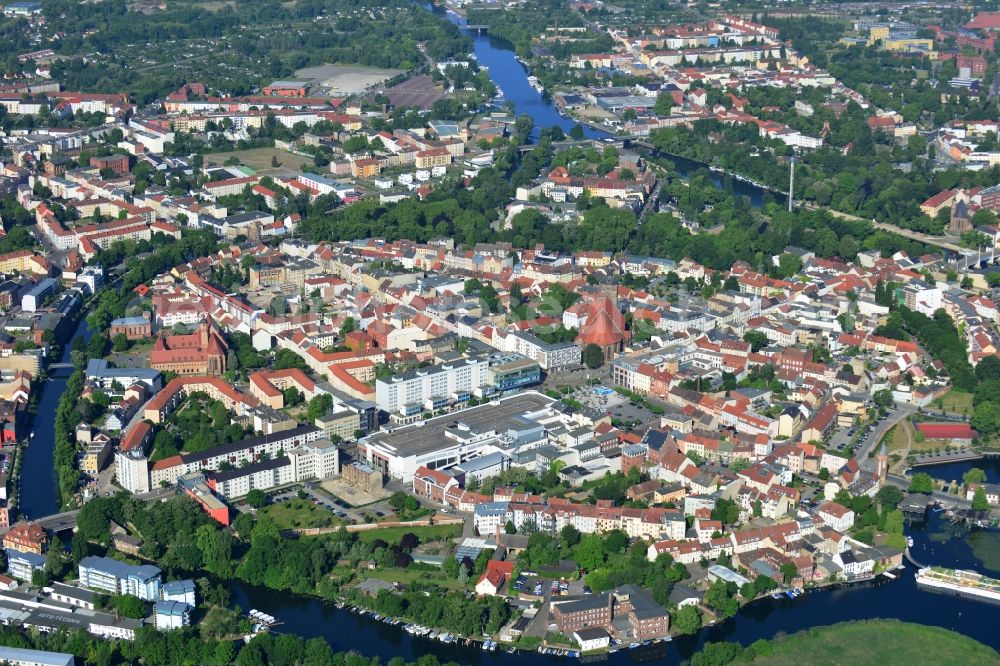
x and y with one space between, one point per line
877 642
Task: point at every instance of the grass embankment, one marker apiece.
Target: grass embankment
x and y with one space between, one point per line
424 533
878 642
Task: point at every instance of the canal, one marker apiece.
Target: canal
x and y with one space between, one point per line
38 489
936 542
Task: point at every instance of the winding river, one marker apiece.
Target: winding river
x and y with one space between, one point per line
900 599
310 617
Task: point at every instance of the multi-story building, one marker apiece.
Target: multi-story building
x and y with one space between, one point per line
27 538
549 355
253 449
511 374
444 381
171 615
117 577
23 565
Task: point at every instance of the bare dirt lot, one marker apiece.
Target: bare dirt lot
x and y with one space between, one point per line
419 93
352 495
259 159
344 80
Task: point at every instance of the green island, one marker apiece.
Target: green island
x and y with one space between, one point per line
864 642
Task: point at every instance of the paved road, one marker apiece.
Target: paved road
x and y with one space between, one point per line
58 522
866 445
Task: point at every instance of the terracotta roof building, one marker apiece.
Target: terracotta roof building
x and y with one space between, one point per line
604 327
200 353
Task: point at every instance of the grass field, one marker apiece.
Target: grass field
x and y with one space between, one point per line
878 642
259 159
295 513
407 577
425 534
956 402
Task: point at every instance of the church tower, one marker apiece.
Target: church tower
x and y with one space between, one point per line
882 464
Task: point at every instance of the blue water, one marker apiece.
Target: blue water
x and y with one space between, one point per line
954 471
39 495
900 599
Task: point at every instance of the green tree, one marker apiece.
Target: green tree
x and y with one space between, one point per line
921 483
349 326
979 500
593 356
129 606
687 620
319 406
256 498
120 343
974 475
788 572
757 340
569 536
889 497
589 553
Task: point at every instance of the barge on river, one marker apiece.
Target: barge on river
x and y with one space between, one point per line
969 584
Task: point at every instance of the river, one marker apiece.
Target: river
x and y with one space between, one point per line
39 494
310 617
954 471
900 599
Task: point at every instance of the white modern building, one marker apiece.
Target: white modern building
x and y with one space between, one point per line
172 615
116 577
509 426
179 590
319 459
549 355
132 471
442 381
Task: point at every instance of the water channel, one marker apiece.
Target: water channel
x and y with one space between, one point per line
39 487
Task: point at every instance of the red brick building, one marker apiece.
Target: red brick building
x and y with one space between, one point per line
971 66
133 328
116 163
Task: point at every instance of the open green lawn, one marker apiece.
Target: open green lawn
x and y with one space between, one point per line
296 512
878 642
407 576
425 534
956 402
